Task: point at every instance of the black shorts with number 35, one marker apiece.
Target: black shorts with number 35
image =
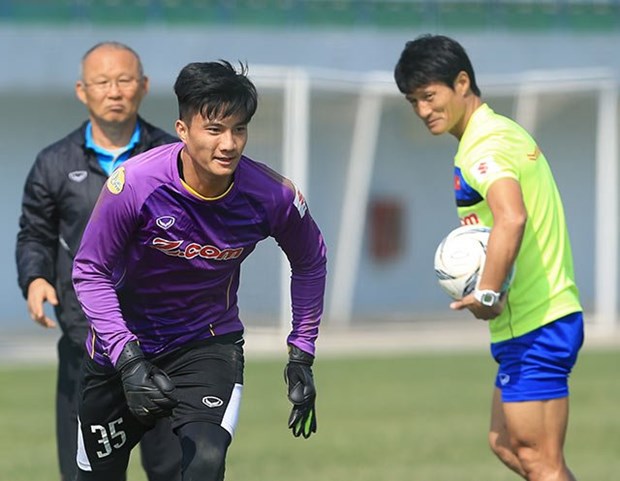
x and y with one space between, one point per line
208 376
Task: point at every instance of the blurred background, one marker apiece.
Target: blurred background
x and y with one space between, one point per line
330 118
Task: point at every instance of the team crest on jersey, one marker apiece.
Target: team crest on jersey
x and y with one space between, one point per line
484 168
116 182
300 202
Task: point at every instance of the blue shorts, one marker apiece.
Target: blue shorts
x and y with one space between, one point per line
536 366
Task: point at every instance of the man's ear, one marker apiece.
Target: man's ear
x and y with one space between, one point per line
462 83
80 91
146 85
182 129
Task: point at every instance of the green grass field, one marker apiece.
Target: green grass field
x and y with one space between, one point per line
407 418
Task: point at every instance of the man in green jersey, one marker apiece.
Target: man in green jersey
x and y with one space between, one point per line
502 180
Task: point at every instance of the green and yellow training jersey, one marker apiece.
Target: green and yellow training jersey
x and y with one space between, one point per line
543 290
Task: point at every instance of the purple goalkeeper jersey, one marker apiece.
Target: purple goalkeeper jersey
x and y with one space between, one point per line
160 265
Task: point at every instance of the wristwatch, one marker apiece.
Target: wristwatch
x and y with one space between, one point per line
486 297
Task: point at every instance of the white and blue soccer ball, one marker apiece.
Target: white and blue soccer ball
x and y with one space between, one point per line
459 259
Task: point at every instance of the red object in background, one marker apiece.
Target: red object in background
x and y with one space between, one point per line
386 228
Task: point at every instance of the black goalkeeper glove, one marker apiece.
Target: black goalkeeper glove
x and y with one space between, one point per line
301 392
148 390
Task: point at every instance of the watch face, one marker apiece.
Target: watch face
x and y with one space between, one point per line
488 299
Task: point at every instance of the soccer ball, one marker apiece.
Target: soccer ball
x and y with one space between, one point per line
459 259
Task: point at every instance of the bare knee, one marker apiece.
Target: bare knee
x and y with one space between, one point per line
541 466
501 448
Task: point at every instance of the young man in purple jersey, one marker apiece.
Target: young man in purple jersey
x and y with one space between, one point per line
157 275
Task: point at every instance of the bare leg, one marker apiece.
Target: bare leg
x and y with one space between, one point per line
499 439
529 437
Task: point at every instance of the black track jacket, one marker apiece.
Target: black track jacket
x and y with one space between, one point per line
60 193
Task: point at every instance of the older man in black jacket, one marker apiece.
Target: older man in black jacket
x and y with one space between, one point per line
59 195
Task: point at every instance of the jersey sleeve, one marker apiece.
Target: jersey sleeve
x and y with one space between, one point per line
299 237
37 239
495 161
98 265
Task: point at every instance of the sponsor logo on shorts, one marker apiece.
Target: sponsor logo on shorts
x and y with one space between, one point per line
504 379
165 221
212 401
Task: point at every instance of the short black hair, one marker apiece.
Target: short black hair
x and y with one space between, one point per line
216 90
432 58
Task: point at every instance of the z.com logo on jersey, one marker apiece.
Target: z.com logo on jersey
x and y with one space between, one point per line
192 250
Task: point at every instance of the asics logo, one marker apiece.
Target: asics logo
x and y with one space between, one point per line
212 401
173 248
